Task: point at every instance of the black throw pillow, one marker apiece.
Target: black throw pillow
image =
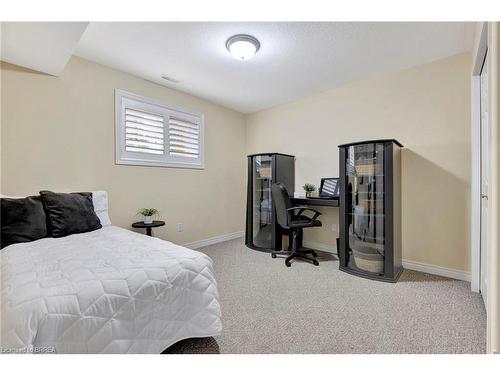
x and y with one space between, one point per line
23 220
69 213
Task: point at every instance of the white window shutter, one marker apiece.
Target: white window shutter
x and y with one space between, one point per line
144 132
152 134
183 138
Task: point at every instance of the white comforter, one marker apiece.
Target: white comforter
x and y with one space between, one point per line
107 291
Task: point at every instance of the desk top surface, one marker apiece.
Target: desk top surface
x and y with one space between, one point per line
316 201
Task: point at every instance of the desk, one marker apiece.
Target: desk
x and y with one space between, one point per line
312 202
315 202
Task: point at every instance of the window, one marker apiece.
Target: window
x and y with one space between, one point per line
152 134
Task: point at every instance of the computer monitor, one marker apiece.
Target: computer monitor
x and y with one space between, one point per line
329 187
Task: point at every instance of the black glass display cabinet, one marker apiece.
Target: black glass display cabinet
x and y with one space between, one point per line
370 209
262 230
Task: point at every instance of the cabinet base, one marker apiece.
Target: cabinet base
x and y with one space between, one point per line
367 275
264 250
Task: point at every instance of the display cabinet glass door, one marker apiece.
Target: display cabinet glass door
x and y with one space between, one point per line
365 207
262 202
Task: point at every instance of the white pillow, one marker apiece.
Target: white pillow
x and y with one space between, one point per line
8 196
100 202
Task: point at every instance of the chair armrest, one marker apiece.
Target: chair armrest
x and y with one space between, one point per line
304 208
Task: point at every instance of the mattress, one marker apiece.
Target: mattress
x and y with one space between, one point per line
106 291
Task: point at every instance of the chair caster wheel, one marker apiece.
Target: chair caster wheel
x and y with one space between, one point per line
288 264
315 262
273 255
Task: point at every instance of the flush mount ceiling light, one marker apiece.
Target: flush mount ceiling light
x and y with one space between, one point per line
242 46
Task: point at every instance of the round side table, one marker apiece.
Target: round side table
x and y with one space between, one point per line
154 224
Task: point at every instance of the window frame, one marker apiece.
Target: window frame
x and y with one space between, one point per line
142 103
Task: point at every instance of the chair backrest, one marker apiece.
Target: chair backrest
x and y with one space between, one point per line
282 202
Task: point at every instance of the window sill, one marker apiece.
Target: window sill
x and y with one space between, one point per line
139 163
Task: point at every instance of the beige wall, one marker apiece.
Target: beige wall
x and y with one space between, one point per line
58 134
427 108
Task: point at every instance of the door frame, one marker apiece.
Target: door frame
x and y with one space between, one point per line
475 220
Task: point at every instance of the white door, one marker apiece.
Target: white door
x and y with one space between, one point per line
485 162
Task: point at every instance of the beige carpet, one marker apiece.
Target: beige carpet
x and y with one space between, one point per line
269 308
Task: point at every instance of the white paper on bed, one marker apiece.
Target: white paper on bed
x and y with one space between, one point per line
106 291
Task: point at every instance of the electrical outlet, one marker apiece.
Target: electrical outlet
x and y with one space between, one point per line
180 227
334 227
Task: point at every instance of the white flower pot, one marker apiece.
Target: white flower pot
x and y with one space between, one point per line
148 219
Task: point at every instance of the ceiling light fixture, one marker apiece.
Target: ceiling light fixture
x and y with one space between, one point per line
242 46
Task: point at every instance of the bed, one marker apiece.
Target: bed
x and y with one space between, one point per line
106 291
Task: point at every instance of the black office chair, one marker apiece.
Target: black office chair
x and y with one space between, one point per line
291 218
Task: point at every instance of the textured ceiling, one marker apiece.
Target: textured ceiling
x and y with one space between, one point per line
296 59
42 46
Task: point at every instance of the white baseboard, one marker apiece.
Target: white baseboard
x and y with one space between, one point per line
214 240
437 270
408 264
321 246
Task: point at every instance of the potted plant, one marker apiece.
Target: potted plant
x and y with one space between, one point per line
309 188
148 214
